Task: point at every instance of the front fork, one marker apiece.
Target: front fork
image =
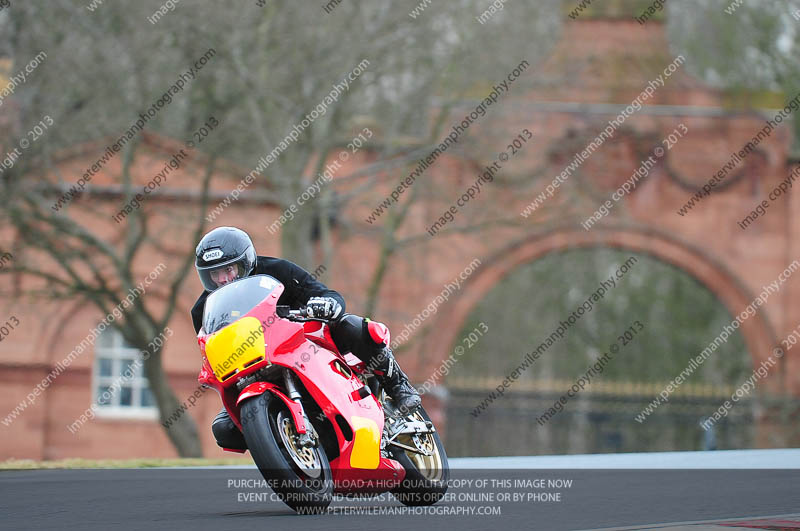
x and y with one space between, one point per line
307 439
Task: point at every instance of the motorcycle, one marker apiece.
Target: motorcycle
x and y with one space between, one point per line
316 421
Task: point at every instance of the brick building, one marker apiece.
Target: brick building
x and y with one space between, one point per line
595 71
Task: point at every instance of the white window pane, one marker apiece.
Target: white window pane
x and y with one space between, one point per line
104 366
128 368
105 396
126 396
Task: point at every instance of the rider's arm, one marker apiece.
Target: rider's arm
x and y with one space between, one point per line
197 311
298 283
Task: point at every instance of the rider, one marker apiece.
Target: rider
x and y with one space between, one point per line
226 254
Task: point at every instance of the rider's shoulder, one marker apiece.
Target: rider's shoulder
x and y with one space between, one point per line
265 264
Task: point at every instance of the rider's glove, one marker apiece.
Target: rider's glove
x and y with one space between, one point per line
323 307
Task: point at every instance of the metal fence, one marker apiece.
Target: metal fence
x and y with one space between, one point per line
602 420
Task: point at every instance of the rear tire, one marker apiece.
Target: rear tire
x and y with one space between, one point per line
426 476
301 477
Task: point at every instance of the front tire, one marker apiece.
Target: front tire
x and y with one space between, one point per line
426 476
300 476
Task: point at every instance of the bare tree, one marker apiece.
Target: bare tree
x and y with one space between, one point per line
272 67
749 49
68 249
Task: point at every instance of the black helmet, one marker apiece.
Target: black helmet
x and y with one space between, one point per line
223 255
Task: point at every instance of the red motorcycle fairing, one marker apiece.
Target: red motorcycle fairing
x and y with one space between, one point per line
320 333
321 370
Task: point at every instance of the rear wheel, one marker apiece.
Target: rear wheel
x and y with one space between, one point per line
300 475
426 475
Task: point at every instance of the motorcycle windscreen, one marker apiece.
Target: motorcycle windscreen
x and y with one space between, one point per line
233 301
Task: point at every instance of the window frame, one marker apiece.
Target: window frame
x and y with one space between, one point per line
119 352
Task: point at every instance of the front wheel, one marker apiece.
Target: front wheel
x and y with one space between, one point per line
299 475
426 475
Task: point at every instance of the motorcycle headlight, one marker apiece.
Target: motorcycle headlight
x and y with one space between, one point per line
236 347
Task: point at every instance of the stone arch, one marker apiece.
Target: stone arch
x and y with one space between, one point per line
758 333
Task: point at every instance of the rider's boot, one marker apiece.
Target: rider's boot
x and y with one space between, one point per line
227 434
395 382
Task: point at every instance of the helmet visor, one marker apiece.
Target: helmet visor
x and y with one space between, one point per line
218 275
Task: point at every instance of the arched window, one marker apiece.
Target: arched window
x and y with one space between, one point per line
119 386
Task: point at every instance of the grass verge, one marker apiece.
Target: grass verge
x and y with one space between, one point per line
30 464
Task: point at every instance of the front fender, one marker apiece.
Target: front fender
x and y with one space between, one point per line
259 388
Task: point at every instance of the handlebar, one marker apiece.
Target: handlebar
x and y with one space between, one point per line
300 315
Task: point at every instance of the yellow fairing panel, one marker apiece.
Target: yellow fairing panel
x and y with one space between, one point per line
366 443
236 347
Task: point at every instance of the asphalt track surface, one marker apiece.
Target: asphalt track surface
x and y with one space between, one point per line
229 498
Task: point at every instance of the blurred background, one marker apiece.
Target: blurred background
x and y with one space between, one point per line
99 98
